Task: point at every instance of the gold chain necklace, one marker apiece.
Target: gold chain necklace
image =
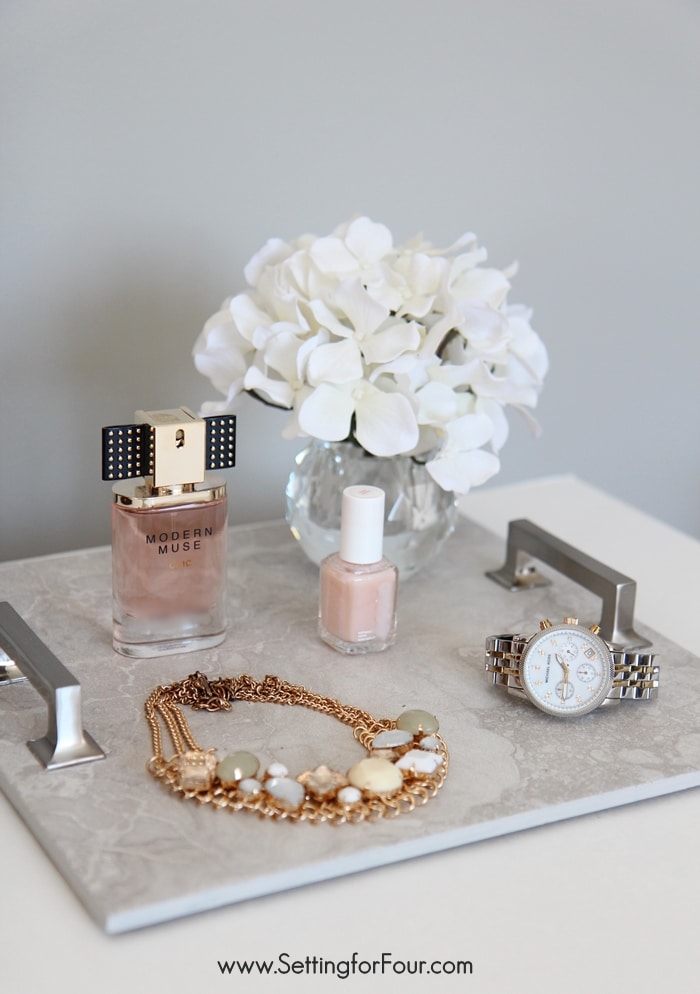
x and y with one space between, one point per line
406 764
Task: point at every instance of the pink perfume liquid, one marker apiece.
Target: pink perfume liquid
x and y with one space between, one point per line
168 577
357 606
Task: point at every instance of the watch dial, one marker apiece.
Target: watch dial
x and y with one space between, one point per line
566 670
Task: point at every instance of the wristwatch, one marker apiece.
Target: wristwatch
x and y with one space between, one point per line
568 670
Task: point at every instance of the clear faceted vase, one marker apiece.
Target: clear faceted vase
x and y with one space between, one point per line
418 515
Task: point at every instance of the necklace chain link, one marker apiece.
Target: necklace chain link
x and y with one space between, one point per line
202 694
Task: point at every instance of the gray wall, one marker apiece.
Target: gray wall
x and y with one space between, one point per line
149 147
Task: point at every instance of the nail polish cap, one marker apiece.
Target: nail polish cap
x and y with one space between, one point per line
362 525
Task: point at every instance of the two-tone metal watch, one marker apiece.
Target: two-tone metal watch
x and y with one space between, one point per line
568 670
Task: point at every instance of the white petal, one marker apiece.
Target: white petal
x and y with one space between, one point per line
465 261
512 383
248 315
211 408
410 372
484 328
281 351
467 241
421 282
326 318
331 255
401 365
220 353
468 432
273 251
278 391
367 240
278 292
439 330
426 273
364 313
494 411
429 439
337 362
437 404
306 349
224 368
292 428
389 343
301 272
532 422
501 386
489 285
326 413
458 375
221 332
463 470
527 344
384 287
385 422
465 402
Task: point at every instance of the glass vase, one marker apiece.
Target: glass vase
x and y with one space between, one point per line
418 514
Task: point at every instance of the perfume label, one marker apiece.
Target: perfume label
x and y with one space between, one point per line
187 540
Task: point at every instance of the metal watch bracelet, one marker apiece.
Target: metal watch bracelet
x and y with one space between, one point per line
636 675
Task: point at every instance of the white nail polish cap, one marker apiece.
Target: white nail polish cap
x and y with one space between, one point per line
362 525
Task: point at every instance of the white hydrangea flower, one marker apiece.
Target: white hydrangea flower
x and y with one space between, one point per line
407 349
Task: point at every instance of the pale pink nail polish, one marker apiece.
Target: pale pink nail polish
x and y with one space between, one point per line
169 524
358 584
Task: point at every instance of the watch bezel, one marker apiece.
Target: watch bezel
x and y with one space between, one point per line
606 683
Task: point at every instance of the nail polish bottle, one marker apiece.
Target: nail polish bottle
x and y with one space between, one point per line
169 519
358 585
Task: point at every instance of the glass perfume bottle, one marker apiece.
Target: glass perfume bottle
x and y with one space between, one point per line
358 584
169 522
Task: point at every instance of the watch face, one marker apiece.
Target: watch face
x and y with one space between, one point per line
566 670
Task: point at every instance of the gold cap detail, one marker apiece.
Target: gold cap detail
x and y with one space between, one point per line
177 446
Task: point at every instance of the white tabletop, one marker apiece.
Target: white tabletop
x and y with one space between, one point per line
600 903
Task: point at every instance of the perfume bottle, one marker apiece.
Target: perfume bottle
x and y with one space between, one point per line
358 585
169 520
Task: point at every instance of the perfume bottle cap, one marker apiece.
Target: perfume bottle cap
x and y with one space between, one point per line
171 448
362 525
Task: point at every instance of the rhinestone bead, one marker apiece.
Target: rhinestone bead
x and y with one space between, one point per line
419 761
277 770
349 796
418 722
195 769
289 794
391 738
322 782
250 786
430 742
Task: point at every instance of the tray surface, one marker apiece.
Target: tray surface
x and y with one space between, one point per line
137 855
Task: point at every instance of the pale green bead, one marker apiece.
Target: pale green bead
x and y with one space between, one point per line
418 722
237 766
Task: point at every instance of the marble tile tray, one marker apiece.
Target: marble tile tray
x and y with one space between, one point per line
135 855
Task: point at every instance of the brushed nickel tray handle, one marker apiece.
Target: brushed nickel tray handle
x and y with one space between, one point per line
24 656
618 592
